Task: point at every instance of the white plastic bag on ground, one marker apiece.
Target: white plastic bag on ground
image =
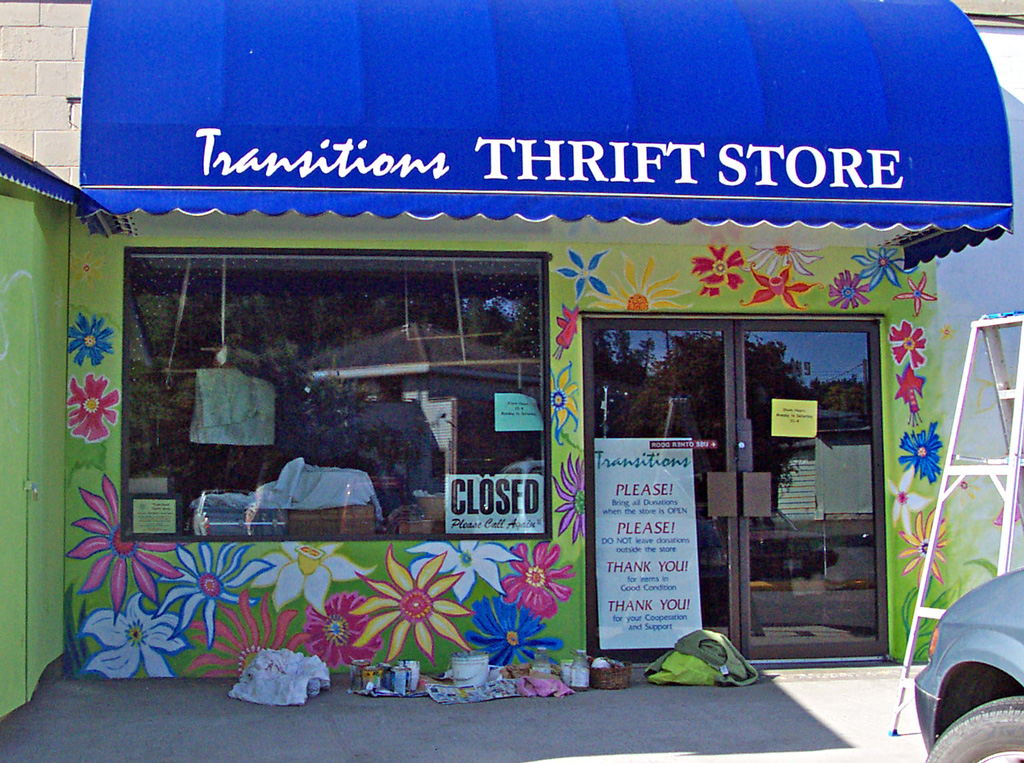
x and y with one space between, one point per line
281 677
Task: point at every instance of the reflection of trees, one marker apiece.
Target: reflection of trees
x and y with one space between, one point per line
770 376
692 372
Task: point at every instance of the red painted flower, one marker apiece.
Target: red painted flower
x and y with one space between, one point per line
533 585
917 293
121 556
778 286
238 640
714 270
568 325
908 340
91 410
333 632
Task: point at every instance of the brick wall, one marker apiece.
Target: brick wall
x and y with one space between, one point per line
42 49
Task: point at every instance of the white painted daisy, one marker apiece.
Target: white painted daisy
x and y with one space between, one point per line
302 568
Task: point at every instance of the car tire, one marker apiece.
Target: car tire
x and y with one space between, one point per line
987 732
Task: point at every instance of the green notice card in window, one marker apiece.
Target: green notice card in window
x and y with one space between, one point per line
794 418
514 412
155 515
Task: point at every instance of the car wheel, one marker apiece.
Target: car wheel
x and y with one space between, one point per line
991 733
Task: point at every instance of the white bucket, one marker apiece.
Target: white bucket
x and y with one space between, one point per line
470 668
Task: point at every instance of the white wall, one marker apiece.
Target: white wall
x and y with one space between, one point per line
42 50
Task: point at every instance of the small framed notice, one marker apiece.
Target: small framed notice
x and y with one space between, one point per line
154 514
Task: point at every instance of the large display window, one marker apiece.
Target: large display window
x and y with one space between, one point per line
296 394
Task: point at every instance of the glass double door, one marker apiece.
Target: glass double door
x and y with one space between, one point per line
734 485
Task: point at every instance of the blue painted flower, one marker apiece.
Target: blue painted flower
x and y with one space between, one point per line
208 580
583 274
132 639
883 262
508 632
923 449
563 401
89 339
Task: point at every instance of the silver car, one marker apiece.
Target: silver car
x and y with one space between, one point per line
970 697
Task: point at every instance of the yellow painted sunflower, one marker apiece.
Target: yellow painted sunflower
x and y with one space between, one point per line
639 296
412 604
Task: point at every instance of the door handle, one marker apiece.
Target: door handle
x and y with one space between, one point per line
744 445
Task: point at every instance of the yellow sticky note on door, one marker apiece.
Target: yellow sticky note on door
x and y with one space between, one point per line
794 418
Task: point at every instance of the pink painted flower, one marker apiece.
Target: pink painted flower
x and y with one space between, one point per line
333 632
91 410
242 636
847 291
118 557
908 340
533 584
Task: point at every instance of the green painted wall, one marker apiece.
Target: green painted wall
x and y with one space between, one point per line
33 314
289 592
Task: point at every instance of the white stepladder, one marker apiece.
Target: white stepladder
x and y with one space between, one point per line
1004 471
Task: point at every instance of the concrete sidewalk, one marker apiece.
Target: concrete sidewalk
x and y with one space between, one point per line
800 715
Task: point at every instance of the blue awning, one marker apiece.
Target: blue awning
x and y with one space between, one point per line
29 174
814 111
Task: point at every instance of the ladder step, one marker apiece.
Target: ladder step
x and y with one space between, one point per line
931 612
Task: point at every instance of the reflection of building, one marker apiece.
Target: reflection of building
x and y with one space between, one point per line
450 376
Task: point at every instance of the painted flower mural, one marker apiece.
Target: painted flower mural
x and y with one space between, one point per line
412 604
332 633
207 579
302 568
121 559
89 338
778 286
917 293
567 324
238 640
134 639
905 503
847 292
534 584
638 295
714 272
570 490
919 540
908 341
883 263
471 558
771 259
563 401
911 387
92 408
508 633
582 274
922 450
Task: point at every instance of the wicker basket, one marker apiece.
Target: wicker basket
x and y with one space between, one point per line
614 677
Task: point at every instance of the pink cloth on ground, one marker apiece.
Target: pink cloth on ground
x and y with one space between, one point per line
534 686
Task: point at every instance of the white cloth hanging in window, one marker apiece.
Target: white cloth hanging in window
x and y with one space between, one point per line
232 408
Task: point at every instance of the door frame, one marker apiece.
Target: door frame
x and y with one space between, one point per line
732 327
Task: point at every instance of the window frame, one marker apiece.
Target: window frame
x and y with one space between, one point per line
126 524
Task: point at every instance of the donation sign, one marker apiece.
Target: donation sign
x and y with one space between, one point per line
498 503
648 583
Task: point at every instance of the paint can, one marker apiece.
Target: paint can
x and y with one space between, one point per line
371 677
355 677
414 674
470 668
400 680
